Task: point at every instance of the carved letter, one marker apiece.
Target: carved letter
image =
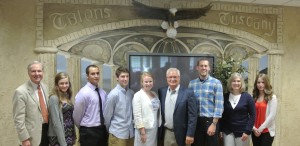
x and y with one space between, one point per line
249 21
223 19
79 16
98 12
256 24
242 18
88 15
72 18
272 30
265 24
234 19
58 21
107 12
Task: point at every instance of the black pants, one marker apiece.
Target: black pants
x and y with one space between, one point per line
263 140
93 136
201 137
44 139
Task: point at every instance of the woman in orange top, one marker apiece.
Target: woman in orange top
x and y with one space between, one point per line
265 106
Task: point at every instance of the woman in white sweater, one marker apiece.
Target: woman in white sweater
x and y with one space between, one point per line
146 112
266 106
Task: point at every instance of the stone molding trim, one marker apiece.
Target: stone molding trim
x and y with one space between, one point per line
46 48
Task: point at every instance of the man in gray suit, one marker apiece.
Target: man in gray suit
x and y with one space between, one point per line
30 108
179 112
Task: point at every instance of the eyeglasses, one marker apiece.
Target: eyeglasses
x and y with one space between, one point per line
172 77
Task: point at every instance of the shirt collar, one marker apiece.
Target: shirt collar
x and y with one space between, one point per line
93 87
121 88
204 79
176 89
34 85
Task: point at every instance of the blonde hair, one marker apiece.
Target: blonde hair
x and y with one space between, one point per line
232 77
57 92
145 74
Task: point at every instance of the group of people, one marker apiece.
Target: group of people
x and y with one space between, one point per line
197 115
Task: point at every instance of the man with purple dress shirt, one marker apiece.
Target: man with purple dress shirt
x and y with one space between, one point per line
87 111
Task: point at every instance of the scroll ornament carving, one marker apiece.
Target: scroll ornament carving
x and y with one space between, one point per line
96 50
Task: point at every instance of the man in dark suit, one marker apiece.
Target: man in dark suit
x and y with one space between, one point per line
179 112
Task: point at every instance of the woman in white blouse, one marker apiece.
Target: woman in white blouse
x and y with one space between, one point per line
265 106
146 112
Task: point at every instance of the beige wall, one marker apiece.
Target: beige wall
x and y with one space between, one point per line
17 41
289 102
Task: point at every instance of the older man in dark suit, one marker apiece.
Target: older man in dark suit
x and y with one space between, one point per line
179 112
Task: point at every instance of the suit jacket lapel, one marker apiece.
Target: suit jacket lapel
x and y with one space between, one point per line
163 99
32 94
179 98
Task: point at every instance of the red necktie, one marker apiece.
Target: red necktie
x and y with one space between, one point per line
43 105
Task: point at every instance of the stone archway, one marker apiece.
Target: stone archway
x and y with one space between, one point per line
228 28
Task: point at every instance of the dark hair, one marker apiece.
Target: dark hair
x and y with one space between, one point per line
121 70
87 69
56 91
268 87
203 59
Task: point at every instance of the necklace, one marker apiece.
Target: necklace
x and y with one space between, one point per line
235 100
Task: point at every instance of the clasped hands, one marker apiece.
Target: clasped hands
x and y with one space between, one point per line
256 132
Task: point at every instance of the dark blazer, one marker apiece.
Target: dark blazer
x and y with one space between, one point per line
240 119
185 114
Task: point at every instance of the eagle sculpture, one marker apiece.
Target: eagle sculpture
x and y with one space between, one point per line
169 16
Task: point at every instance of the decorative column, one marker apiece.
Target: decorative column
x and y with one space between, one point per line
107 77
74 71
253 70
114 78
275 73
100 66
47 55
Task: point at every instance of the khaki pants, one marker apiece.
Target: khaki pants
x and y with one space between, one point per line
230 140
169 139
114 141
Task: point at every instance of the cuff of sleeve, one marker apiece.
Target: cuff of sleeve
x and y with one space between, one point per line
141 125
260 130
248 132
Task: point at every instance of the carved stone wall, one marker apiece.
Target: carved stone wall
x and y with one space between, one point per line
22 30
104 31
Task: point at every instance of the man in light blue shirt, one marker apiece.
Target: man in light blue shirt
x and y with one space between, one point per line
87 111
118 111
209 93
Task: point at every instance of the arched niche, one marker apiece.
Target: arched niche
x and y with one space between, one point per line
107 44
